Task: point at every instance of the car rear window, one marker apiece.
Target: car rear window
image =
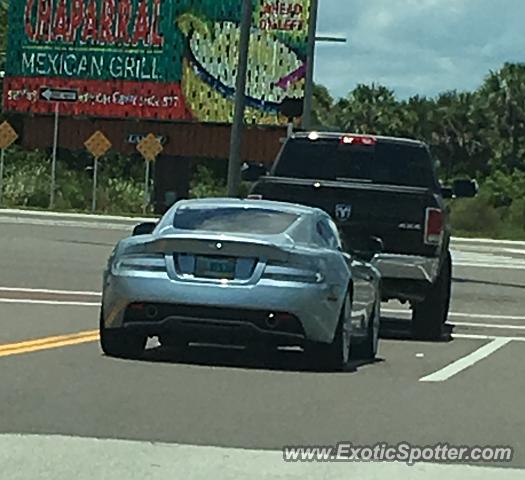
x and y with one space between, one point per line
383 163
258 221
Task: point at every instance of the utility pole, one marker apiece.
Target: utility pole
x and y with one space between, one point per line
234 168
52 193
310 63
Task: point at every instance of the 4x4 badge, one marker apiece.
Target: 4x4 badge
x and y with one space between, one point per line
343 212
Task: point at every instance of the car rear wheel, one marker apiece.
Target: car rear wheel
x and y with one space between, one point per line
335 356
121 344
430 315
367 350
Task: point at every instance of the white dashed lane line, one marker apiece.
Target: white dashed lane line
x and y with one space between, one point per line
465 362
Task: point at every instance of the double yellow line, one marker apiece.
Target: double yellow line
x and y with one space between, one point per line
48 343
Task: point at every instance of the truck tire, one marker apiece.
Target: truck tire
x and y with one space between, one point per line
430 315
121 344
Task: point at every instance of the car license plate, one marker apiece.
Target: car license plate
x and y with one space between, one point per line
215 267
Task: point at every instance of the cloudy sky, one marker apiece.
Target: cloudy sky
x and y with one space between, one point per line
418 46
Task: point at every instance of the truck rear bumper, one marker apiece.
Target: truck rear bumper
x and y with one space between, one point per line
407 267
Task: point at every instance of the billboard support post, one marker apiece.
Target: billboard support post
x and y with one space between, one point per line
54 158
310 65
234 167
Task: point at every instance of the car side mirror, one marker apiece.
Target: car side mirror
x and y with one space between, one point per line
144 229
465 188
251 172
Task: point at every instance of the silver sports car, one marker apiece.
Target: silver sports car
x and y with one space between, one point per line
241 273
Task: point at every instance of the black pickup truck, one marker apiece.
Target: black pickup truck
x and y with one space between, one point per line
379 190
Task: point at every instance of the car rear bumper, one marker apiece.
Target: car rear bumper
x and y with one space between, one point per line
407 267
215 331
201 310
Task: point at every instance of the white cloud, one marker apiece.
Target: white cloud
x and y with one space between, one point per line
418 46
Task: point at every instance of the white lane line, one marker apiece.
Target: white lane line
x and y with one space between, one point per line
462 315
52 292
471 336
513 250
47 302
487 265
490 325
463 363
488 241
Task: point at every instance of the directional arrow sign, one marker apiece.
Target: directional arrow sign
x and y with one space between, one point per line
58 95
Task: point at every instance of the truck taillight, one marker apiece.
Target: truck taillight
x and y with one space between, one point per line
363 140
434 226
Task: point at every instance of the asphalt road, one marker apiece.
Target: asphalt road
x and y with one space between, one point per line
69 412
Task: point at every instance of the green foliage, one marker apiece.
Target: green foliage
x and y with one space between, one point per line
27 178
505 188
120 196
205 184
475 217
27 184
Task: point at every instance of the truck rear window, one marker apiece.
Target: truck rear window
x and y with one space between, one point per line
383 163
259 221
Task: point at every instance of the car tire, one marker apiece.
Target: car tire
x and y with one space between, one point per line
121 344
430 315
367 350
334 356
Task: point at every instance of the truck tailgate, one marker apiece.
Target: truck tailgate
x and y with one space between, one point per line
396 214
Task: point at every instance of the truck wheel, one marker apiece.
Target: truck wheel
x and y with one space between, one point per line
430 315
121 344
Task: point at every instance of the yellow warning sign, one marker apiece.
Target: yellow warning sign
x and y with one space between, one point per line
150 148
8 135
98 144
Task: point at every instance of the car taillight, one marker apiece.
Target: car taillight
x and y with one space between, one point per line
434 225
285 272
146 263
358 140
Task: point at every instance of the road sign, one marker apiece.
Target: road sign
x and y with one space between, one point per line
98 145
150 148
58 94
136 138
8 135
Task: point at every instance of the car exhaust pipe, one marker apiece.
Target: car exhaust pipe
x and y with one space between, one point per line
151 312
272 321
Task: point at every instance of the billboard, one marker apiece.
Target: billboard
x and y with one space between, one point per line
155 59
